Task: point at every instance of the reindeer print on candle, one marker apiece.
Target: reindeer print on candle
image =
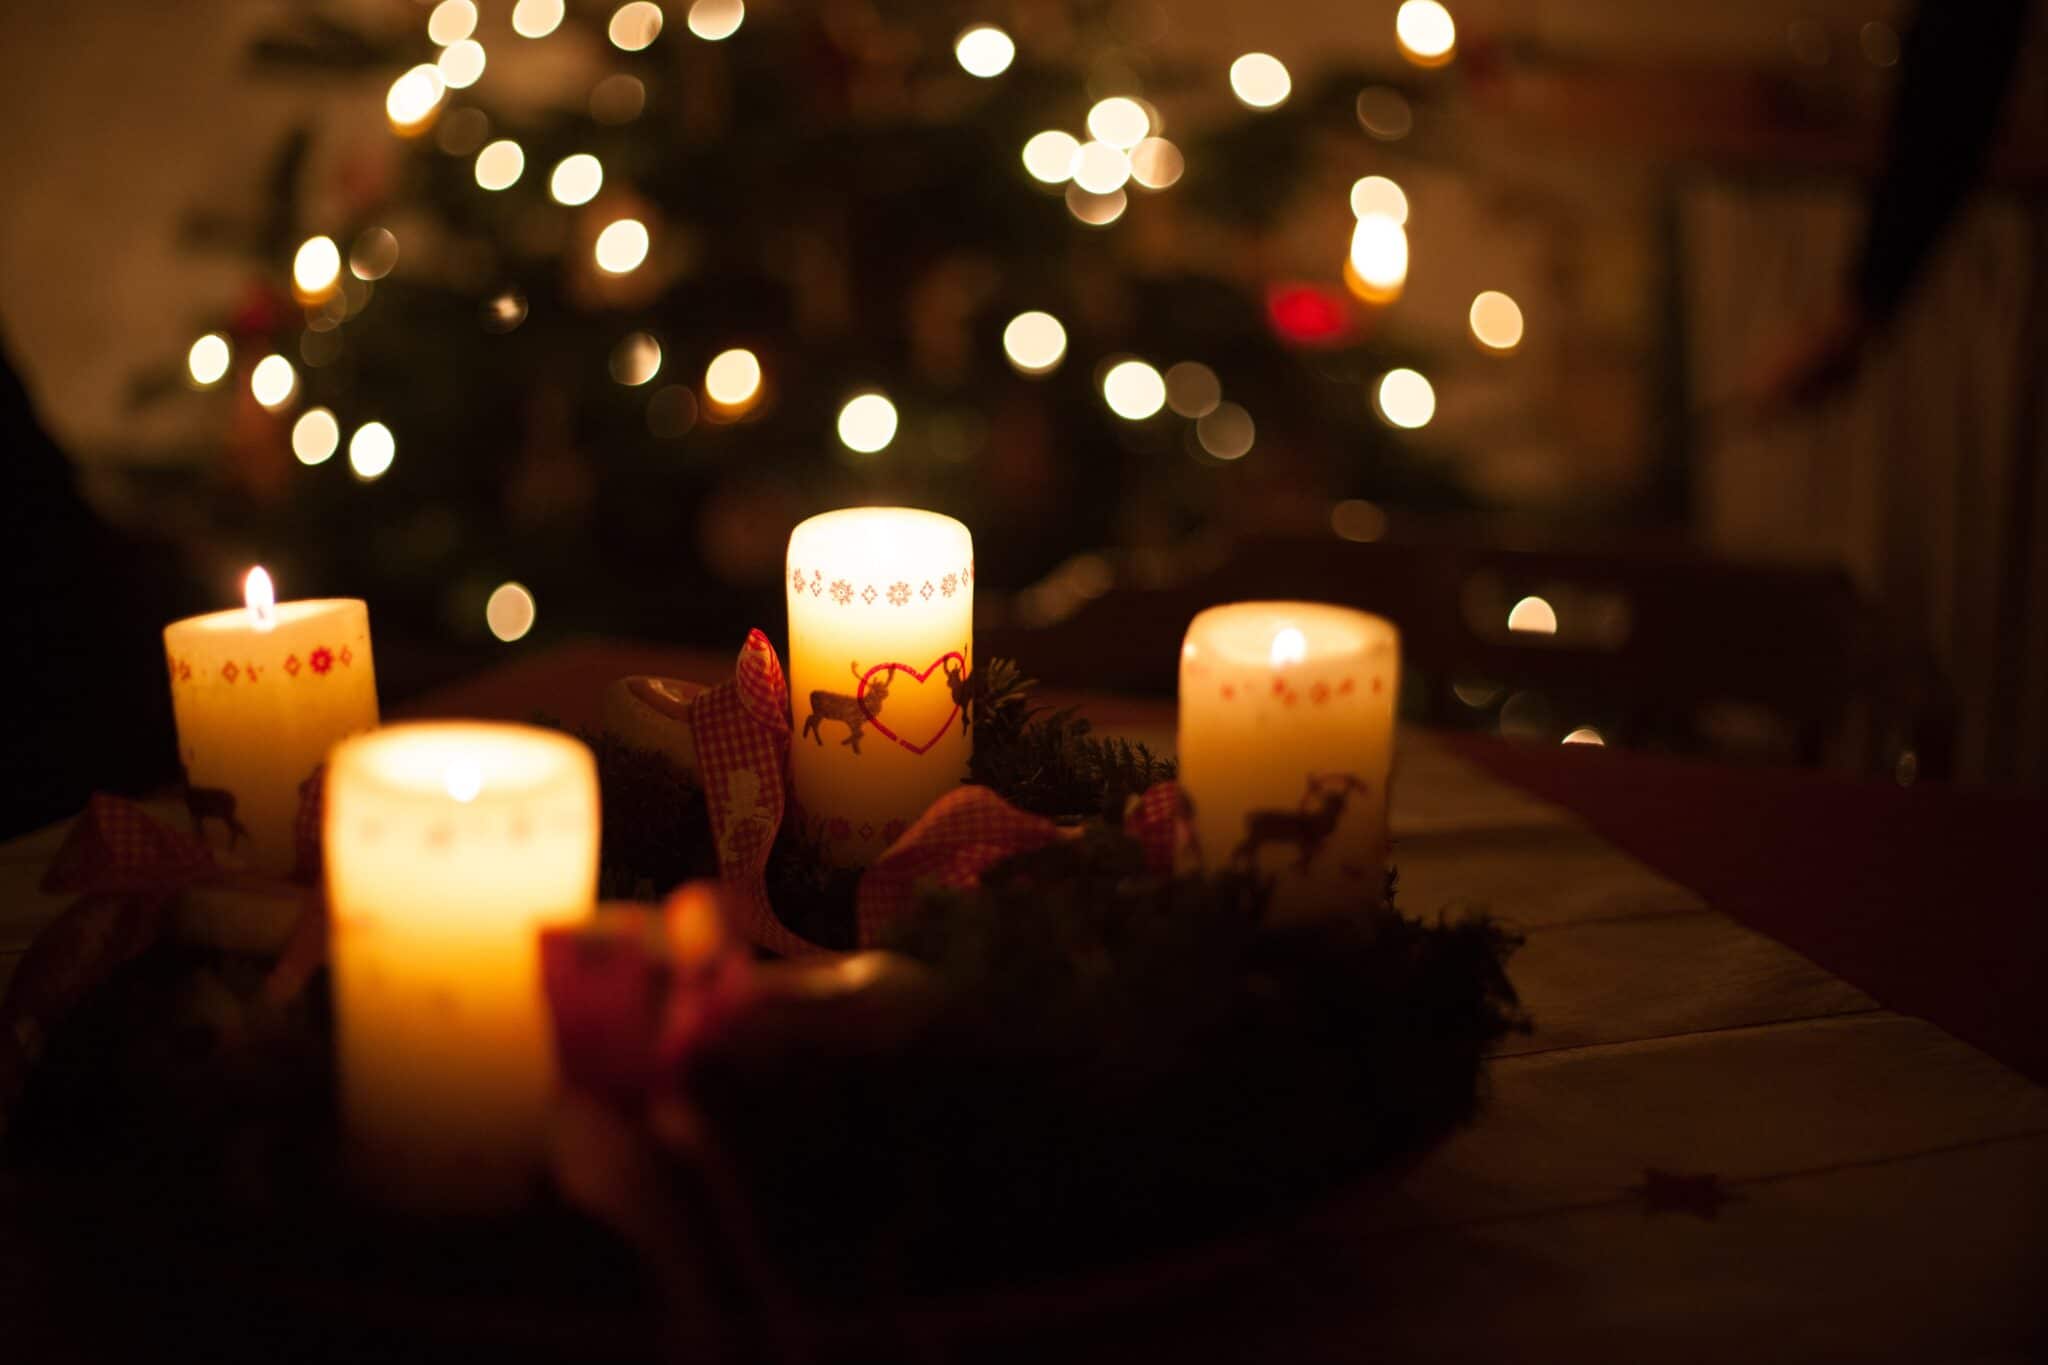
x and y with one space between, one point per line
851 709
1306 829
211 803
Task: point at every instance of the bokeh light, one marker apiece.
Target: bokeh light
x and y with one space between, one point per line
1379 256
634 26
1384 113
867 423
451 22
315 436
462 131
207 362
500 165
671 412
1120 121
1260 81
733 378
1133 390
413 98
371 450
716 20
576 179
1096 210
1227 432
1496 321
503 311
636 359
1049 156
1880 43
1405 399
1426 32
1035 342
1156 163
1585 734
273 382
374 255
1100 168
984 50
617 99
509 611
1532 616
536 18
461 64
622 246
1375 194
1358 520
316 269
1192 389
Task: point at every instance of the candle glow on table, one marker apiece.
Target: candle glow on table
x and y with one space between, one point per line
1286 746
449 847
881 643
261 693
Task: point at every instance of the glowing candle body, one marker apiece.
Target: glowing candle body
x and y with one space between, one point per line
449 846
881 640
257 710
1286 746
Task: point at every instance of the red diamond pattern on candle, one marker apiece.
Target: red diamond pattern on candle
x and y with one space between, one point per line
1345 688
868 594
347 656
291 665
867 832
253 671
229 671
1279 686
796 580
184 670
320 660
1230 691
1320 693
926 590
817 582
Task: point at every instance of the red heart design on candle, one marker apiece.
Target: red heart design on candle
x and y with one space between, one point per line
917 675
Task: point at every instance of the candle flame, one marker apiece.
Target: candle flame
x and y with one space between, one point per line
261 598
1290 646
463 779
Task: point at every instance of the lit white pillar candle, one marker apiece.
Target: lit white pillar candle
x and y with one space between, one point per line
1286 746
261 693
449 847
881 641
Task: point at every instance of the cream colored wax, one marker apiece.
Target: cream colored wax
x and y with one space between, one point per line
881 642
449 846
1286 746
261 693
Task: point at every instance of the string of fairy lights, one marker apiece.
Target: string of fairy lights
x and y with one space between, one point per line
1119 149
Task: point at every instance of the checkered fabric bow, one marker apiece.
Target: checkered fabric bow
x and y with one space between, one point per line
962 835
742 734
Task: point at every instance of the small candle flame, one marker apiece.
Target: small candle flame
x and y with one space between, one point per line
463 779
261 597
1290 646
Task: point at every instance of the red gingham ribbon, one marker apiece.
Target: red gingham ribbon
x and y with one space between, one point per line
963 834
1158 821
742 733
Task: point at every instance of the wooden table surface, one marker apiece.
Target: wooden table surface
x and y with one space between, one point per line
1711 1147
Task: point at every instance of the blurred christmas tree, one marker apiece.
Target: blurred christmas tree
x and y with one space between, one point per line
642 289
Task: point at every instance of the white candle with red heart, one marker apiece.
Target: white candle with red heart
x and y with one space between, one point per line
1286 746
261 692
881 645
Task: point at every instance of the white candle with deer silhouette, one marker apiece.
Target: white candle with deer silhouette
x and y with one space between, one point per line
261 693
881 647
449 847
1286 747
